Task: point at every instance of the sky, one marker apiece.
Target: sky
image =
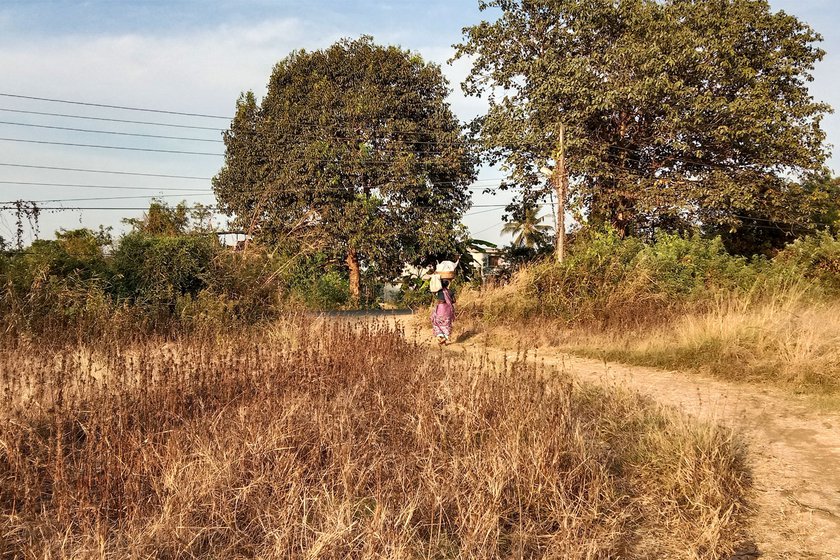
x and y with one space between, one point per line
197 56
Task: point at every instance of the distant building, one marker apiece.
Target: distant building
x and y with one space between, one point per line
487 261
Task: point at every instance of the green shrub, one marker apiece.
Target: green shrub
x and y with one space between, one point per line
154 270
815 258
610 280
331 291
247 284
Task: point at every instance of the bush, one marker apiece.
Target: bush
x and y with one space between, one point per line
414 293
815 258
610 281
154 270
152 282
244 285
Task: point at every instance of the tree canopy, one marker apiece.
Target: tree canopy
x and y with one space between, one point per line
353 151
161 219
677 113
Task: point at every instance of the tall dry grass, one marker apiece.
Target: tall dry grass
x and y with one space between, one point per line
788 339
335 441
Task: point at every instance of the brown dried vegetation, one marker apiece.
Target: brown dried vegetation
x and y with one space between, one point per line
339 441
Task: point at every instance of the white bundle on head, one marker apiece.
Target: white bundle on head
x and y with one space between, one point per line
446 266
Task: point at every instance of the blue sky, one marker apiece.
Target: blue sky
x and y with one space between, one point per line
196 56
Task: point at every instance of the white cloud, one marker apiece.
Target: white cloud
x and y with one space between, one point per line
198 72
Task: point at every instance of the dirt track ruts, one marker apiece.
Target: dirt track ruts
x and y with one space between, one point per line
794 448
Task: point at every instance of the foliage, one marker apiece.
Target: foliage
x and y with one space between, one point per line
815 259
154 270
527 228
608 281
813 206
676 112
201 217
415 293
162 219
513 257
353 152
71 287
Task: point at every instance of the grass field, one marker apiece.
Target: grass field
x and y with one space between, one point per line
786 337
331 441
785 342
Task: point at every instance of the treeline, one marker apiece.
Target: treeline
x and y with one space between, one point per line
169 271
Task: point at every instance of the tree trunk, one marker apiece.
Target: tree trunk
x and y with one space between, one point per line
355 276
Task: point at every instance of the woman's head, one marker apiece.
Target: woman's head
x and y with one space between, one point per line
444 283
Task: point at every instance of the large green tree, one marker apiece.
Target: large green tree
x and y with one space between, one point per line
677 113
353 151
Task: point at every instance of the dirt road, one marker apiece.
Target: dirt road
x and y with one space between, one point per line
794 449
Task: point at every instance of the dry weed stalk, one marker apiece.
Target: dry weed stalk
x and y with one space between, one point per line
336 441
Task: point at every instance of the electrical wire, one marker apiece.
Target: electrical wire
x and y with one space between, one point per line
106 106
479 232
494 207
115 187
214 154
136 174
86 199
75 208
87 130
640 153
475 185
191 127
104 147
168 112
104 119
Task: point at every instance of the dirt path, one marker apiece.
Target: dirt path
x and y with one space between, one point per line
794 449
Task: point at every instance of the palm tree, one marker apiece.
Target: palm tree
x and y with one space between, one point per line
529 231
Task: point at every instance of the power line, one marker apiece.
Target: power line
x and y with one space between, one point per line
497 224
116 187
137 174
104 119
494 209
136 149
128 187
182 195
121 107
208 128
7 207
308 123
75 145
476 184
214 154
112 132
72 208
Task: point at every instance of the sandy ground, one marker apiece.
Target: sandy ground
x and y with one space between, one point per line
794 448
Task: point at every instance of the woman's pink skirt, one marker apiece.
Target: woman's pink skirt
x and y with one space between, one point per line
442 316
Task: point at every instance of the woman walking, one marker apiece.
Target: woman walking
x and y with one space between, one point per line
443 313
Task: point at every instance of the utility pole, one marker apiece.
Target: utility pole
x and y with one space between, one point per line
560 178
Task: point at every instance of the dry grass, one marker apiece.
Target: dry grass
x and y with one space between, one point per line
785 340
788 336
329 441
